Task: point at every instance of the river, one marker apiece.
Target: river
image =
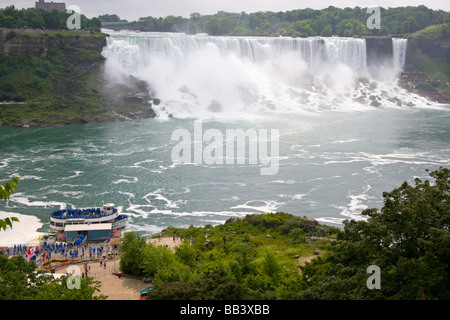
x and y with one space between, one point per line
330 163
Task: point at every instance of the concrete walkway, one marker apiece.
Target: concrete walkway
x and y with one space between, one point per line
124 288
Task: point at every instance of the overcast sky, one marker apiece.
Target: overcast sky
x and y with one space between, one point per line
134 9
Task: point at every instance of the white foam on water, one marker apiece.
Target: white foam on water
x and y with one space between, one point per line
282 182
22 232
19 198
356 206
266 206
127 180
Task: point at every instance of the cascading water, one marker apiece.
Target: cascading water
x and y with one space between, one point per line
399 52
205 76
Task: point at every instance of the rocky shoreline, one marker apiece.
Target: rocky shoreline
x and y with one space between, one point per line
421 84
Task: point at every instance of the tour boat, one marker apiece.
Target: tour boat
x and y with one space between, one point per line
107 213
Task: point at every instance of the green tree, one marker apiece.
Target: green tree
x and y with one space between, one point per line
350 28
409 239
218 286
131 253
17 278
5 192
186 254
304 29
155 258
20 281
270 265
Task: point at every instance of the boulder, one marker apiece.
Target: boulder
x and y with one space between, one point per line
309 225
233 220
208 243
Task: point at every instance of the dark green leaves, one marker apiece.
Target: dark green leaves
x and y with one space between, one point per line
8 188
5 191
7 222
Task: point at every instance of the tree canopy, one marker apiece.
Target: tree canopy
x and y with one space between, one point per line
408 239
346 22
10 17
20 281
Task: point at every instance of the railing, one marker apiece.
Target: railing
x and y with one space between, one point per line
79 213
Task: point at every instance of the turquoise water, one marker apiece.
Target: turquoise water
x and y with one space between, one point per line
332 165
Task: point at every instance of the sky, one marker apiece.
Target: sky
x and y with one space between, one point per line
134 9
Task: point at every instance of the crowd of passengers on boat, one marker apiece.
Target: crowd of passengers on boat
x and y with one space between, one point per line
81 213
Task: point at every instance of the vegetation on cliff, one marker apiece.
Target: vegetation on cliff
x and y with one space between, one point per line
432 32
260 256
252 258
56 87
62 82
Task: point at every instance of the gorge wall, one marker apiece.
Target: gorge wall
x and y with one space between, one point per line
18 41
420 50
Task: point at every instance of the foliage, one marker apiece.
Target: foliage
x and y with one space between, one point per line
10 17
218 286
17 279
408 239
433 32
8 188
131 253
110 18
349 22
20 281
37 81
58 290
5 191
240 256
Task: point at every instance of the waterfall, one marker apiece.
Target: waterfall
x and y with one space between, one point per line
399 52
210 76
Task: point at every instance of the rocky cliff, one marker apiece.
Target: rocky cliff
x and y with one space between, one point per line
56 77
421 50
427 66
19 41
378 50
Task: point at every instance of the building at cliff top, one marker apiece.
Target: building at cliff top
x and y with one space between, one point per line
50 6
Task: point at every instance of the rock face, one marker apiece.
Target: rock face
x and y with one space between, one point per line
422 55
420 50
17 41
378 51
75 90
426 69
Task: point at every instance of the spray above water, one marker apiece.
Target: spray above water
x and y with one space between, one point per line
204 76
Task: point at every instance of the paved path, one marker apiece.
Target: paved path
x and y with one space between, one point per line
124 288
116 289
